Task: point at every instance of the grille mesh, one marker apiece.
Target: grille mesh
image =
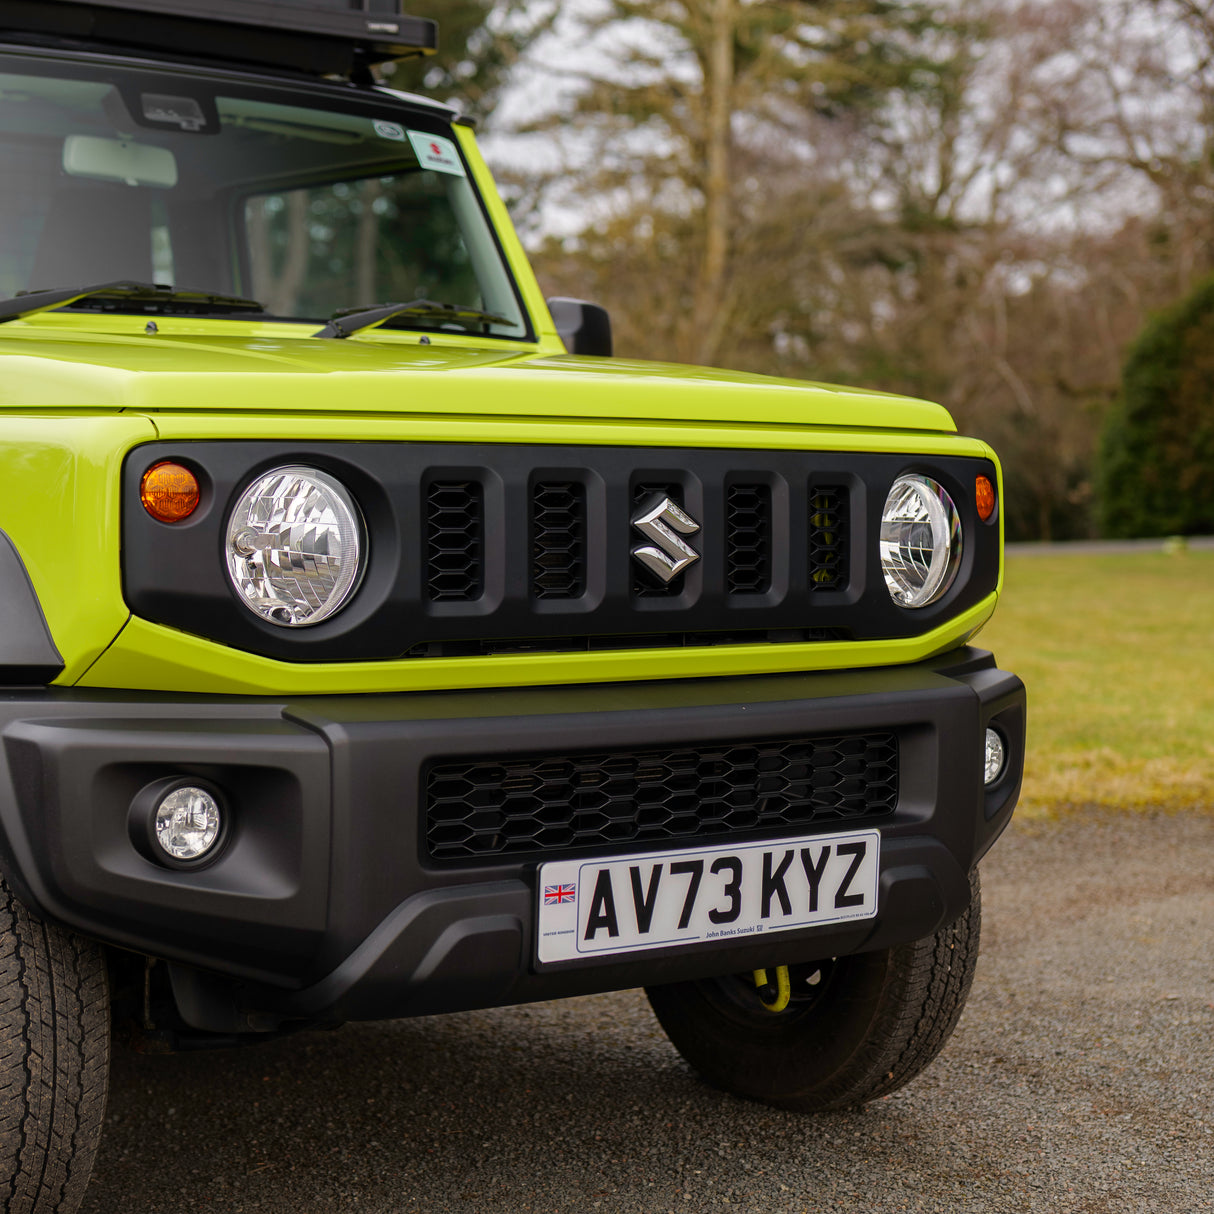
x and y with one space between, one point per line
538 804
828 538
748 539
558 540
455 541
560 554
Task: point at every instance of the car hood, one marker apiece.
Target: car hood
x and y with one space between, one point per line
59 368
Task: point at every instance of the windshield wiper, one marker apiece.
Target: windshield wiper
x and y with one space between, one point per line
30 303
348 321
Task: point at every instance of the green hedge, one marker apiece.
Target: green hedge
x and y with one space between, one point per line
1155 472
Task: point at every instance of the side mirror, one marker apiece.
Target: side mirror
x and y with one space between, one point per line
585 328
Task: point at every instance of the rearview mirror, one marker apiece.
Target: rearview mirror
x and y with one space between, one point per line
585 328
119 160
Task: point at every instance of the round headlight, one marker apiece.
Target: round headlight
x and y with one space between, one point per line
920 541
295 549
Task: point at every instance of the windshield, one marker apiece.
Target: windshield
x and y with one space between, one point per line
124 174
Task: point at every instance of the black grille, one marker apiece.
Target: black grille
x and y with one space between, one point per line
538 804
828 538
455 541
558 540
748 539
502 548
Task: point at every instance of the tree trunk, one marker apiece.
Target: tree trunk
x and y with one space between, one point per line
284 298
367 242
711 305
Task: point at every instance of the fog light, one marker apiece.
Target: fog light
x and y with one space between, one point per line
188 823
996 756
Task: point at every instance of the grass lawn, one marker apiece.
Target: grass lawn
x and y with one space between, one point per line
1117 653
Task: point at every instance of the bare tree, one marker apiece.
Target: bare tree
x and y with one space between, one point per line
979 205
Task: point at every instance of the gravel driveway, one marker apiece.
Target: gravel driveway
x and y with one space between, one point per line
1081 1078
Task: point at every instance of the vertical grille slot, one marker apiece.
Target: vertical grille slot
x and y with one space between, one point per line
558 540
455 541
828 538
644 584
748 539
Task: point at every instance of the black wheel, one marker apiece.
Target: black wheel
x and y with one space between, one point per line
54 1062
854 1028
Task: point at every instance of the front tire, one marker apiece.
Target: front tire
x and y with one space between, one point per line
54 1062
855 1028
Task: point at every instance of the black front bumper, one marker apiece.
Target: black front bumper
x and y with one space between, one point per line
324 905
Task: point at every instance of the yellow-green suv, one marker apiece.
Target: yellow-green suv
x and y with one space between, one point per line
372 643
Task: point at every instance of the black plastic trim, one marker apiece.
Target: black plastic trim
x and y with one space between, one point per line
175 575
322 903
52 54
28 656
585 327
338 40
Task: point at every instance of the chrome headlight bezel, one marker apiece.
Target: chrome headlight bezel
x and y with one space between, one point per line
317 556
921 541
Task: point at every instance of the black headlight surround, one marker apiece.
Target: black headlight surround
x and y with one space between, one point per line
177 576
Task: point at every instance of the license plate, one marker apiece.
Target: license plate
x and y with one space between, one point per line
626 904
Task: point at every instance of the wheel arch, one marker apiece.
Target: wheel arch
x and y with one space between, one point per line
28 655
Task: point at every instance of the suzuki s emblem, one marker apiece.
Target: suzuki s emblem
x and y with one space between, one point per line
667 555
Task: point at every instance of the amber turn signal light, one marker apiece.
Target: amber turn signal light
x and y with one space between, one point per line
169 492
984 497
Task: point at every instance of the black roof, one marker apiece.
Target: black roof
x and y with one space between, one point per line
322 37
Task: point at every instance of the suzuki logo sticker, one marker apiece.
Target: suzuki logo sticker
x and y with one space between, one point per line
667 555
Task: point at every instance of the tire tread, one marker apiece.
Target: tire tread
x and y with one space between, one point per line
54 1062
932 980
882 1020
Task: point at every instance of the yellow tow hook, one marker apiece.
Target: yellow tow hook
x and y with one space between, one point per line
782 985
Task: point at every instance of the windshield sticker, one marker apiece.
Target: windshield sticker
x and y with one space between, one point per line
435 152
390 130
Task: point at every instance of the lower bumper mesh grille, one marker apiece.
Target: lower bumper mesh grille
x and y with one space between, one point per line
540 804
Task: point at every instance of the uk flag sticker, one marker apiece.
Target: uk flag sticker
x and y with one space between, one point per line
556 894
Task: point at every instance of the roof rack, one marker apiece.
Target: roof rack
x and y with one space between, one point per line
321 37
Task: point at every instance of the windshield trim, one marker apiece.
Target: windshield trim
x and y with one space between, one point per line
46 48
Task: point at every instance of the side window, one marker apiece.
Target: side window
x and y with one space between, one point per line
357 243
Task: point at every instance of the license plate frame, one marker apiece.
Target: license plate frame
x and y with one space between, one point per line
805 881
